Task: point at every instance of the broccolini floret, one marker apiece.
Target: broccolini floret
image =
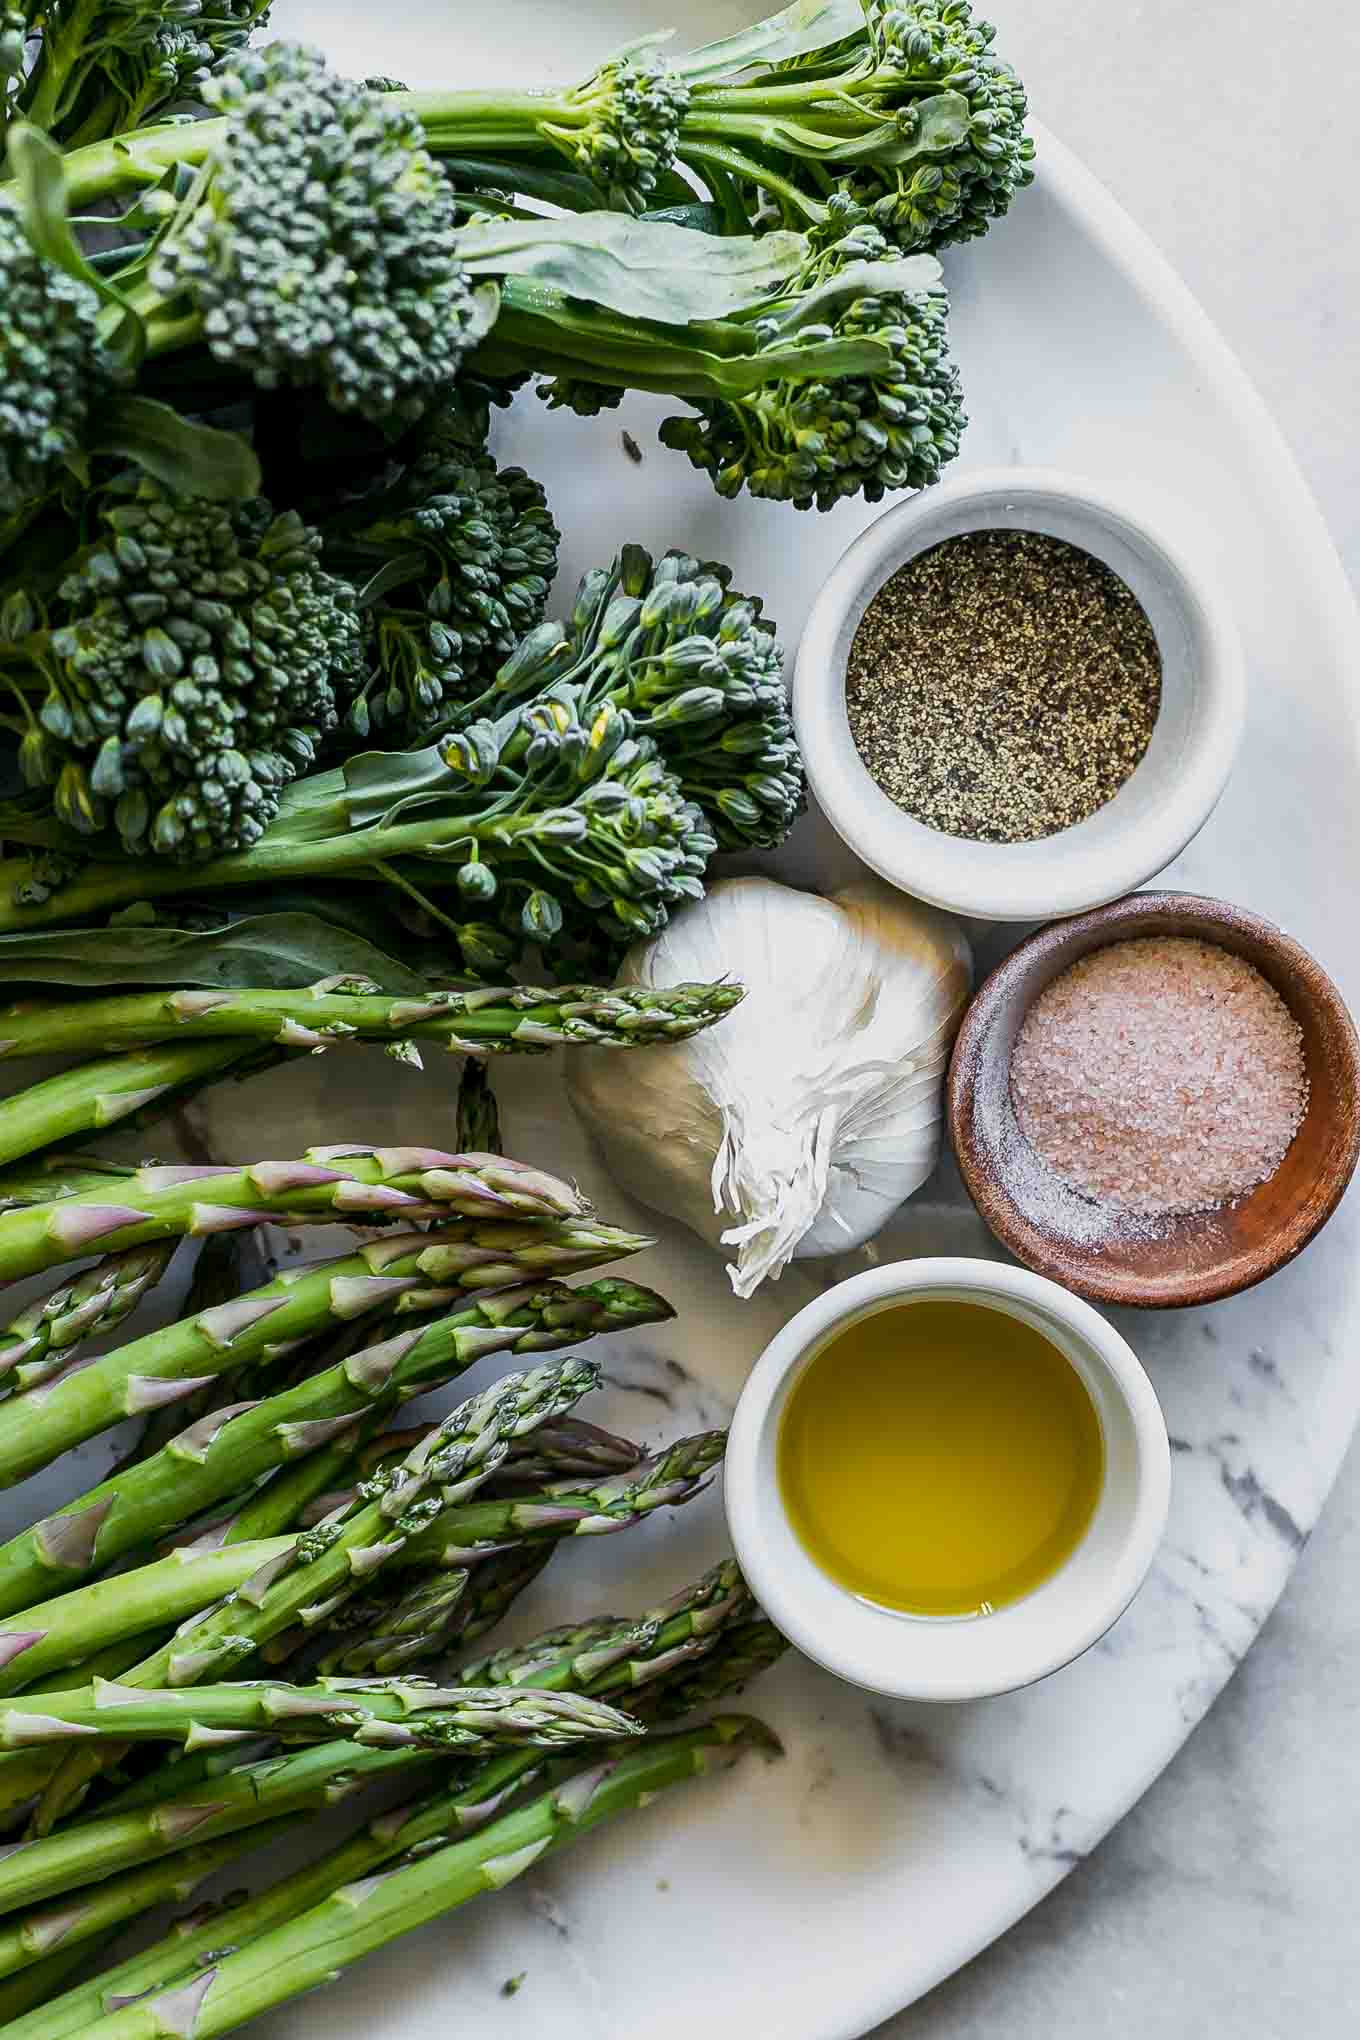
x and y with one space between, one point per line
913 120
459 555
52 366
817 440
189 666
323 251
698 670
621 127
90 68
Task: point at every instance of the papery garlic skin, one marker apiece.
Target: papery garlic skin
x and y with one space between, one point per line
800 1123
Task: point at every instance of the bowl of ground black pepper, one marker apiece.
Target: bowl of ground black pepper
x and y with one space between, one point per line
1020 694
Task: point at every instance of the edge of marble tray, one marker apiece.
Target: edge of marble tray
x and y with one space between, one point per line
1338 618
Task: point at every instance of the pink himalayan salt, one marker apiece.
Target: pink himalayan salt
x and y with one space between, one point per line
1160 1075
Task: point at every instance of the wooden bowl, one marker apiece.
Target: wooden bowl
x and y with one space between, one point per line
1173 1261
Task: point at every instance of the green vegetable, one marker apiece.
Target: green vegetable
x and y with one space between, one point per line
47 1333
290 280
440 1610
453 564
467 1802
224 1453
53 370
368 1913
190 663
108 1092
331 1561
73 1924
697 668
919 123
108 65
326 1184
334 1012
168 1365
72 1627
550 812
375 1714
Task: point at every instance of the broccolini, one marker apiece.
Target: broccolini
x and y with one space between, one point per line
189 664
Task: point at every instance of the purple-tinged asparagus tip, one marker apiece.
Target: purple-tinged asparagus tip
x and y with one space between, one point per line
366 1558
175 2012
174 1824
191 1005
80 1225
67 1543
225 1322
411 1161
193 1442
574 1799
275 1179
153 1392
380 1254
499 1871
45 1931
352 1295
352 1196
301 1438
216 1218
373 1368
111 1106
257 1586
292 1034
201 1738
41 1728
14 1642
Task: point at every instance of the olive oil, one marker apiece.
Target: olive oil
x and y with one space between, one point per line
940 1458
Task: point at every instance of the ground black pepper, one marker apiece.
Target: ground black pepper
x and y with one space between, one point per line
1003 685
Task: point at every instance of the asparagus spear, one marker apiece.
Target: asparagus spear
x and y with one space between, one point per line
95 1095
476 1020
226 1266
111 1842
440 1610
41 1178
165 1365
225 1453
475 1530
557 1450
469 1800
378 1714
326 1564
326 1184
368 1912
74 1922
46 1335
471 1533
70 1628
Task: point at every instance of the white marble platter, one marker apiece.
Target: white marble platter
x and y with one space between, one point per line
809 1899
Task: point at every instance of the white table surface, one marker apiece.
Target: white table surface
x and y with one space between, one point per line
1225 1902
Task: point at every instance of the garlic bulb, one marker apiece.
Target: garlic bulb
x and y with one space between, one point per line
800 1122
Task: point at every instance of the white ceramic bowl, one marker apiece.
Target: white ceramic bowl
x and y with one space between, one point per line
937 1658
1162 804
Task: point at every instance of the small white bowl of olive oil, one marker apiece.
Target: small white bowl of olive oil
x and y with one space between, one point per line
947 1478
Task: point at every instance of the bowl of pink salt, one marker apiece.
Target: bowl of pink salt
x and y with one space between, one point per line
1157 1103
